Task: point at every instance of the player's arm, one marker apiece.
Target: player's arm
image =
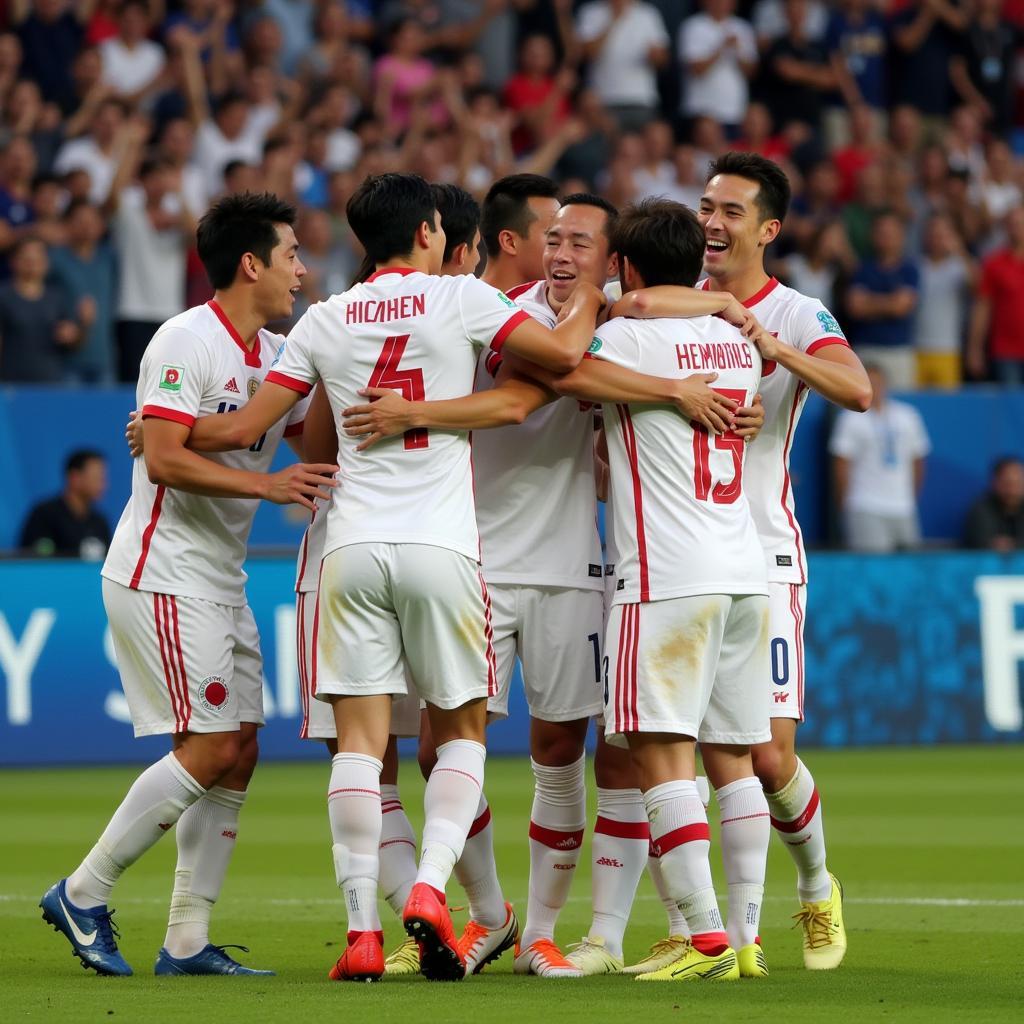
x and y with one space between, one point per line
559 350
229 431
677 301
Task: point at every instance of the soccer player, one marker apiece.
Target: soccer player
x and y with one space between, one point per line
174 591
400 583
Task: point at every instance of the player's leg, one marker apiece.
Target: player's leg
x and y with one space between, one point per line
792 794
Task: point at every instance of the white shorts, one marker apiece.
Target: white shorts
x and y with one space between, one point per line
556 632
690 666
401 618
187 665
787 604
318 715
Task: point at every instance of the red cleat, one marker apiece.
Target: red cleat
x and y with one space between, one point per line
363 959
427 920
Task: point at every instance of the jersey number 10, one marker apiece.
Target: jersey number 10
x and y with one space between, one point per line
722 493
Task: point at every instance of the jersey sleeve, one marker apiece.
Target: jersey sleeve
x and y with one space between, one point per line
813 327
293 366
488 316
175 372
615 342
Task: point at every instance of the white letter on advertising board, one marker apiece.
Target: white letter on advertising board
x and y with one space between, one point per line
1002 649
18 660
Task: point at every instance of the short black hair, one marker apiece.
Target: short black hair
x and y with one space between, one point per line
506 206
592 199
460 216
1004 462
773 191
80 457
237 224
663 241
385 213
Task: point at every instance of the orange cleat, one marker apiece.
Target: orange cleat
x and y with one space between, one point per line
426 919
363 959
478 945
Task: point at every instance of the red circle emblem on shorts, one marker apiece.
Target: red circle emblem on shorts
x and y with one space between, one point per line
215 694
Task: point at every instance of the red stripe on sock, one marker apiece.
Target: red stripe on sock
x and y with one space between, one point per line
745 817
711 943
480 824
556 839
360 792
799 823
394 842
687 834
392 805
459 771
623 829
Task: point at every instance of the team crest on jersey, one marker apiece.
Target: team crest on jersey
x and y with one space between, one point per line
251 385
595 345
213 693
170 377
829 323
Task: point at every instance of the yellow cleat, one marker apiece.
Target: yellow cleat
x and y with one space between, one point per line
663 952
591 956
697 966
403 960
751 961
824 934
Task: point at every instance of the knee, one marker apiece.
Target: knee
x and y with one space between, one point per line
613 768
248 756
221 753
557 744
774 765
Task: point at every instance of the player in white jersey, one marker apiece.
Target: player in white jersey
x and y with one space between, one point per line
400 584
174 590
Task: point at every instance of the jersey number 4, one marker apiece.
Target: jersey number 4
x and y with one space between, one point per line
408 383
722 493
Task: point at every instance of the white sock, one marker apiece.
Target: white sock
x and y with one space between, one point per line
618 853
477 871
676 922
397 850
679 832
796 817
449 803
745 835
157 799
557 821
206 835
353 807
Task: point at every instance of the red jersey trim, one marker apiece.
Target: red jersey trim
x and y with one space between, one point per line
147 538
252 356
507 328
825 342
629 440
404 271
492 363
762 294
294 429
160 412
520 289
288 382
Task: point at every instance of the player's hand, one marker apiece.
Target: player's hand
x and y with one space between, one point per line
583 295
134 434
301 484
735 313
766 342
699 404
386 415
749 419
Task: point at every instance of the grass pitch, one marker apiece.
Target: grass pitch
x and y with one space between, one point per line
928 843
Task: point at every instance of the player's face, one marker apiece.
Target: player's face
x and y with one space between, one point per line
576 250
531 247
734 226
470 257
280 280
435 243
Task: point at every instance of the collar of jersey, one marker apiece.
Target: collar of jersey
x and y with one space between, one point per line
754 299
391 270
252 358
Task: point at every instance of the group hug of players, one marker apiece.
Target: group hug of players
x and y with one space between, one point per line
430 565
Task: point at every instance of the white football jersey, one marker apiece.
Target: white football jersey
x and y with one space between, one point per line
172 542
536 504
805 324
682 523
421 336
311 551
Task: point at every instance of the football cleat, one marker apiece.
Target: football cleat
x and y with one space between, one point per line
209 960
591 956
92 933
479 946
363 959
697 966
405 959
751 960
544 959
824 933
427 920
663 952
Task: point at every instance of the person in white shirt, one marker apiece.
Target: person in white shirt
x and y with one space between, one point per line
97 152
174 590
878 461
719 55
625 42
132 62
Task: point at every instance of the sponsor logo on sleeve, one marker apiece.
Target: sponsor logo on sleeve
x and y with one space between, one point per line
621 585
170 377
508 302
595 345
280 352
829 324
784 561
595 571
251 385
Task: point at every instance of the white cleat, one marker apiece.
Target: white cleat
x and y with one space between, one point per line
544 959
478 945
591 956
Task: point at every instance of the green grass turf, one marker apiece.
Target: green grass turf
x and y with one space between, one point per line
928 843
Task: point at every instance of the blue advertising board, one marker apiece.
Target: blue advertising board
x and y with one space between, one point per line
905 649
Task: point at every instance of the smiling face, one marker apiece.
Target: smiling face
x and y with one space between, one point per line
576 249
280 279
735 227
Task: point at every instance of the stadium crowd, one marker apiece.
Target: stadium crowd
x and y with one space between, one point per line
897 121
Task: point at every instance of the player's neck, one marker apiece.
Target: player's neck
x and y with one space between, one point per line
238 308
502 274
744 284
417 261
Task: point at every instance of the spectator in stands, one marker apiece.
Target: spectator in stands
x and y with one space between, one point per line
718 53
96 152
538 94
51 32
817 205
982 70
38 324
859 215
878 464
822 265
770 21
1000 189
70 525
132 62
881 301
996 520
84 268
947 274
17 171
624 43
856 42
996 335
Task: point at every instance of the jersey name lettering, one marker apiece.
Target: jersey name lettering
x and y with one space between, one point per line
728 355
371 311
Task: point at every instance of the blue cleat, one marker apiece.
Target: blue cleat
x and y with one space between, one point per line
209 960
91 932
